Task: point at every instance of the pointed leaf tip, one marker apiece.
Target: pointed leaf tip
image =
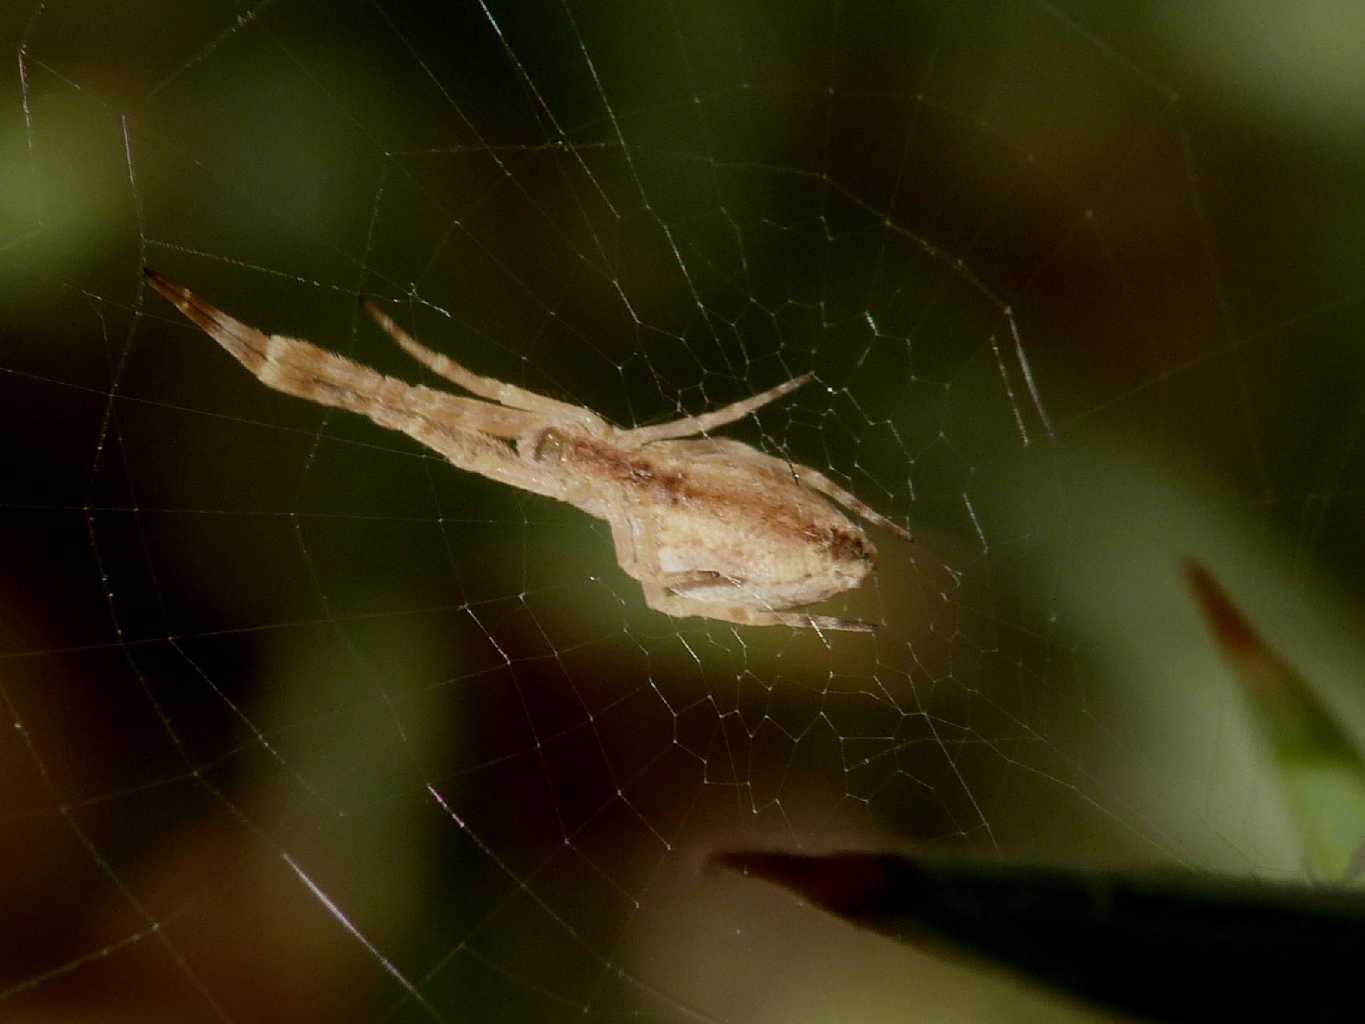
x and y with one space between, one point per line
1233 633
852 885
1171 946
1317 761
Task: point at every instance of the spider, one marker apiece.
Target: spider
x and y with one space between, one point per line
709 527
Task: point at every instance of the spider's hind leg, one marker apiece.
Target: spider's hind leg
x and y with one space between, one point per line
689 425
817 481
485 387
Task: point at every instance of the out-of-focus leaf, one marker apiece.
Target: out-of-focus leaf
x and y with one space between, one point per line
1169 947
1322 771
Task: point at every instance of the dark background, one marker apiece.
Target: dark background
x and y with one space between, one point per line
303 716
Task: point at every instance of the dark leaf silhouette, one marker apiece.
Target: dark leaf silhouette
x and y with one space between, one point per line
1164 946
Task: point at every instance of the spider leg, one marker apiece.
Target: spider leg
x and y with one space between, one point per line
743 615
659 595
624 540
689 425
817 481
485 387
464 430
681 582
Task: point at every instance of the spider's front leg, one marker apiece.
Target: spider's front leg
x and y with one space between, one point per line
468 432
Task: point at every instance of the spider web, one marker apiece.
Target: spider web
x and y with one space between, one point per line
307 724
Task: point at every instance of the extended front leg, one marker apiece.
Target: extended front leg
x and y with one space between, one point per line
464 430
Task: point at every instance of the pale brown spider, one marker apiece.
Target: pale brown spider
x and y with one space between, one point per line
709 527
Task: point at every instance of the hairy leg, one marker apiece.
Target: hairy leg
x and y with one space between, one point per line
680 607
486 387
464 430
690 425
817 481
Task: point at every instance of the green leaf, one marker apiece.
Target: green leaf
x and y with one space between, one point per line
1322 771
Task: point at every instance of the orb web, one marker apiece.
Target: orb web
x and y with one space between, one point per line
308 723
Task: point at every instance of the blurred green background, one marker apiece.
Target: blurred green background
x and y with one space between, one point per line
1082 289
